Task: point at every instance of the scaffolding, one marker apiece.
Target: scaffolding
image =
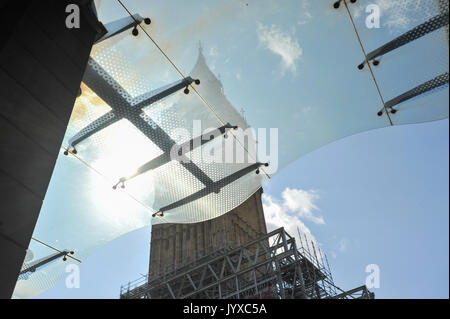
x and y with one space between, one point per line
270 267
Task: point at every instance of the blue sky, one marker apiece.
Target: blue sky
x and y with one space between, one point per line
383 195
378 197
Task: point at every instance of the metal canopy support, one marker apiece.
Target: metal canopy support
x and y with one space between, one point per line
122 104
118 26
213 187
125 107
421 30
432 84
94 127
183 149
33 266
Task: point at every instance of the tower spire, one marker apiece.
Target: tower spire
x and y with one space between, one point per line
200 47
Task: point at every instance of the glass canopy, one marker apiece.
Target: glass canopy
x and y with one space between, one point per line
183 121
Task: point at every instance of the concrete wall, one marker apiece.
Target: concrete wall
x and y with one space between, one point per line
41 67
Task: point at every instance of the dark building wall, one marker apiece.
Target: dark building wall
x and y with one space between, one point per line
175 245
41 66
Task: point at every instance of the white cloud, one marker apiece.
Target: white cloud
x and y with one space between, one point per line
287 213
305 15
282 44
302 202
343 245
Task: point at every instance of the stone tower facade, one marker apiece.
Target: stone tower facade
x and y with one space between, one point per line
176 245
